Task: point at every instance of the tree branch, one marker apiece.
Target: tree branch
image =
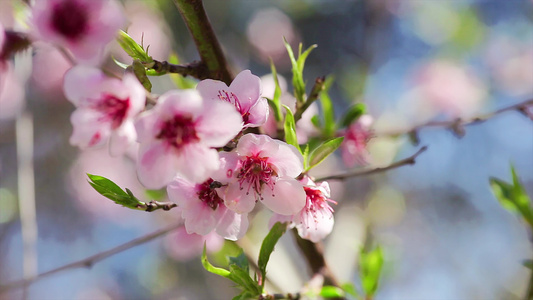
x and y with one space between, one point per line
155 205
195 69
91 260
406 161
315 92
457 125
193 13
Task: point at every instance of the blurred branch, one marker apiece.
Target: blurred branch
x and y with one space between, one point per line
314 254
193 13
457 125
529 293
406 161
155 205
91 260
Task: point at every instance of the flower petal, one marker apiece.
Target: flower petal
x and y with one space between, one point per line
82 84
156 166
210 88
122 138
247 87
218 124
287 198
238 200
258 113
197 162
88 129
232 226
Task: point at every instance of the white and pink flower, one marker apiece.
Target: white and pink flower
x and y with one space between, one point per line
105 108
315 221
354 147
261 168
177 137
204 211
244 93
83 26
183 246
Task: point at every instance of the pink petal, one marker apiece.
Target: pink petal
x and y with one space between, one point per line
122 138
156 166
218 124
229 162
182 192
238 200
258 113
145 125
209 89
197 162
287 198
199 219
89 130
232 226
187 102
137 94
315 227
83 83
287 159
247 87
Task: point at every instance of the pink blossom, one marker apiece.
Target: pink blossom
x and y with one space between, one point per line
261 168
244 93
83 26
315 221
183 246
203 209
105 108
2 37
356 137
177 137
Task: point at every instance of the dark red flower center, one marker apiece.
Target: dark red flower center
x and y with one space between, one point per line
207 194
70 18
256 171
178 131
113 109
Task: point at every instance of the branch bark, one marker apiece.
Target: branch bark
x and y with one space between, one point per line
193 13
406 161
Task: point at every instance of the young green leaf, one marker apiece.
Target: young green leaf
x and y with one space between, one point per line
305 155
297 70
350 289
212 269
353 113
240 260
513 197
140 72
110 190
370 264
290 129
277 94
132 48
156 194
120 64
327 109
268 246
329 291
323 151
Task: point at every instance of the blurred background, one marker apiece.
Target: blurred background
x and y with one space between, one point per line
445 236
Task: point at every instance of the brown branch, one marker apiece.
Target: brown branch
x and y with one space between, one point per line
457 125
91 260
195 69
406 161
155 205
193 13
315 92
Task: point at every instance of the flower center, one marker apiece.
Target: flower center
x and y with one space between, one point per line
232 98
70 19
178 131
207 194
256 171
316 201
114 109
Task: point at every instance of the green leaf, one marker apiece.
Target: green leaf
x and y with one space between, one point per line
212 269
513 197
297 70
240 260
370 264
290 129
327 109
323 151
349 288
110 190
140 72
352 114
305 155
528 263
316 121
120 64
277 94
268 246
329 291
156 194
132 48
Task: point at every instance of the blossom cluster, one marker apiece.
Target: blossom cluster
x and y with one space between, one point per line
182 140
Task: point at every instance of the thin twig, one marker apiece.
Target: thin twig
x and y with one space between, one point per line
315 92
195 69
155 205
457 124
529 292
406 161
91 260
193 13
